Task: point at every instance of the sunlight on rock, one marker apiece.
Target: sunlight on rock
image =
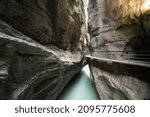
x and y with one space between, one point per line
86 70
146 6
131 10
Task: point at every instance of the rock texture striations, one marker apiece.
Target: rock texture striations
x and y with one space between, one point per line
39 47
120 26
119 80
120 30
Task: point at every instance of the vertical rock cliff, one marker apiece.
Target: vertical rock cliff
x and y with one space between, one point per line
120 30
40 50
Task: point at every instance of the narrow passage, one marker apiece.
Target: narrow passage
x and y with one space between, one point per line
81 87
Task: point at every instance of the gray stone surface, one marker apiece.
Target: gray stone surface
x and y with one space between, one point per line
39 47
120 81
46 21
117 25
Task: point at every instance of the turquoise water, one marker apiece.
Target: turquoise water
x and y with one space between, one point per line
81 87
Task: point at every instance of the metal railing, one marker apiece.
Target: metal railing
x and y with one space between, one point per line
141 56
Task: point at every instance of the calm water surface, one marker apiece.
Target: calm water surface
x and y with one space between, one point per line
81 87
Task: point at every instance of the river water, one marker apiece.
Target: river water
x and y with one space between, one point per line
81 87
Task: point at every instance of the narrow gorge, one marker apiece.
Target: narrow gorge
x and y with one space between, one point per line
44 44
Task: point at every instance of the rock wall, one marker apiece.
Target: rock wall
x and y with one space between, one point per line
39 46
117 25
120 80
120 30
47 22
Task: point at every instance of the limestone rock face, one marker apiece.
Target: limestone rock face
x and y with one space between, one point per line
39 47
120 81
46 21
120 30
120 26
